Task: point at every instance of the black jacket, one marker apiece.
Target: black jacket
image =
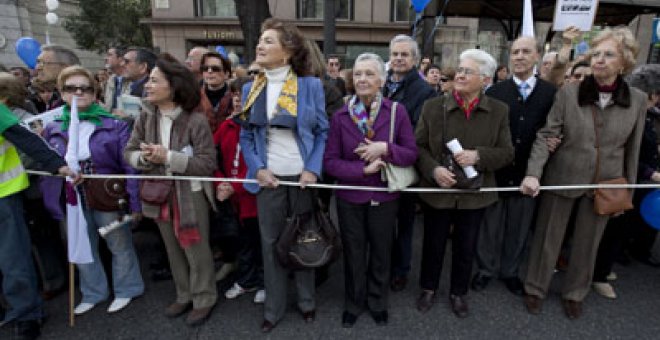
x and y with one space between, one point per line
525 119
649 160
412 94
35 147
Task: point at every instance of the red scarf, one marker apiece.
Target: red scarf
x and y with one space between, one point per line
185 236
467 107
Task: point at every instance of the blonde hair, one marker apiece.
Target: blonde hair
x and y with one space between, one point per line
76 70
628 46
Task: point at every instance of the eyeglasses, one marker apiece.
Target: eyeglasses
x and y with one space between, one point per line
444 79
75 89
210 68
253 72
466 71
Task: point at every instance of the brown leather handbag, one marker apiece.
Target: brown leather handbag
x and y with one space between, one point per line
106 194
609 201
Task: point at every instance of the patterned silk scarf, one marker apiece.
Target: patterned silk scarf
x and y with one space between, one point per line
363 119
287 102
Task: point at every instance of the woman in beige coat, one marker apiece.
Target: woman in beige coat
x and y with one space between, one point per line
169 139
606 102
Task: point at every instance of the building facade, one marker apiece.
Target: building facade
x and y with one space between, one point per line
27 18
361 26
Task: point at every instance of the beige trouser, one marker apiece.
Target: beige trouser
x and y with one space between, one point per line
552 220
192 267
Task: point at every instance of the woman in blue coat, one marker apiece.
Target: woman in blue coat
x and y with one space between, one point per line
283 138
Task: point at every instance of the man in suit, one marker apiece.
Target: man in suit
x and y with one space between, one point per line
137 65
116 84
506 224
404 85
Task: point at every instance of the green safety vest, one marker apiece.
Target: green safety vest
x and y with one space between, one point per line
12 175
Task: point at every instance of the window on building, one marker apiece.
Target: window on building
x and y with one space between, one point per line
216 8
402 11
313 9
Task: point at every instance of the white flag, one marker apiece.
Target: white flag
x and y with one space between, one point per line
79 249
528 20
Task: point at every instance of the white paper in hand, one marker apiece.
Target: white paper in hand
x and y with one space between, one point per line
455 147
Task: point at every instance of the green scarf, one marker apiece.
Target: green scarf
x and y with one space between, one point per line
93 114
7 118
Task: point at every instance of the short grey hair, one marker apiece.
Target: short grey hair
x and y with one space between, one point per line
62 54
486 62
380 64
646 78
414 48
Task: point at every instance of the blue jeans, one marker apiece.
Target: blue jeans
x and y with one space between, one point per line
19 279
126 277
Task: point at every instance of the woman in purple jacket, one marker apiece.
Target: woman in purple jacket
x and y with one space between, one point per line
356 151
102 139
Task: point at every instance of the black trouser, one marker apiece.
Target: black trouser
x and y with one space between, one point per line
640 235
610 246
437 223
48 248
367 232
402 248
250 271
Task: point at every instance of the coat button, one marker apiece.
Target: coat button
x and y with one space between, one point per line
522 118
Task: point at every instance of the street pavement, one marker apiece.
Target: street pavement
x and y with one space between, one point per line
494 313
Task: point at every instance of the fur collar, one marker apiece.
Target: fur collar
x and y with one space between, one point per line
588 92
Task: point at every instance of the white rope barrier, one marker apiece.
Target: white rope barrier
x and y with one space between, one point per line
365 188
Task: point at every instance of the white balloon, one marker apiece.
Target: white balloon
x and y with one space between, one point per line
52 5
51 18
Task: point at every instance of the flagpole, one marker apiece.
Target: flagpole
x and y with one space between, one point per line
72 286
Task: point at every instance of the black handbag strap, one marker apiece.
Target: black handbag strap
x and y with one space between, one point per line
597 144
444 127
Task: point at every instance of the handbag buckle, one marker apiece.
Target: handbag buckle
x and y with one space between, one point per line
374 203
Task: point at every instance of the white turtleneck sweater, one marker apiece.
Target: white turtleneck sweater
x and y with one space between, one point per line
283 155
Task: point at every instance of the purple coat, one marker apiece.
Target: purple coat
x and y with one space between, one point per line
106 146
342 163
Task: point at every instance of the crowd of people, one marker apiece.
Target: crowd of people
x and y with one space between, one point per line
293 116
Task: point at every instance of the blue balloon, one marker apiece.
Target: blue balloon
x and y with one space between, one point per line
28 49
419 5
650 209
221 49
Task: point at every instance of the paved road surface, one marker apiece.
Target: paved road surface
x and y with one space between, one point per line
494 314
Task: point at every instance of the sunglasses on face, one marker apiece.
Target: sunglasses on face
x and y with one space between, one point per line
210 68
253 72
444 79
75 89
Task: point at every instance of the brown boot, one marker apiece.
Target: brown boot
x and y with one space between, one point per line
177 309
573 309
197 316
533 304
